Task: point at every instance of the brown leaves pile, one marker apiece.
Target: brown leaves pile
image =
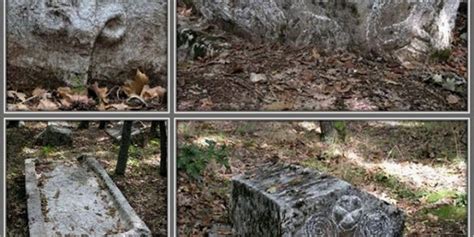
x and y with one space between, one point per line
137 91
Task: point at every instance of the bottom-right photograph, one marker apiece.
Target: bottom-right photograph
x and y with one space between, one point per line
322 178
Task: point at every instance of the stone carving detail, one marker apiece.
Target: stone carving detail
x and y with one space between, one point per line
304 202
320 226
346 212
68 42
375 224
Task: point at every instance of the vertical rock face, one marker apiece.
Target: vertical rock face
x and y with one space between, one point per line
403 30
292 201
69 42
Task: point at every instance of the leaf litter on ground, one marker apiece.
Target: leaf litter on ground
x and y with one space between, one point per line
135 94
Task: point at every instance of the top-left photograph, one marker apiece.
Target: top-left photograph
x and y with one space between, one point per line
71 55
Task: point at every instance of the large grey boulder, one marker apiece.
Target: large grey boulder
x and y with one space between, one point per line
68 42
401 30
55 135
293 201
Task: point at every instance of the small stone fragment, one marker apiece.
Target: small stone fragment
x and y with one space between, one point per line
55 136
254 77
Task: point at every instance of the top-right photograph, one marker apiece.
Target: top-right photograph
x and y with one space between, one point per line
310 56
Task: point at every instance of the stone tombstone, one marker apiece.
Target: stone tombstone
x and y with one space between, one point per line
402 30
54 43
55 135
294 201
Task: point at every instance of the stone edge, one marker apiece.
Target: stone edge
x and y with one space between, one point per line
35 215
138 226
245 180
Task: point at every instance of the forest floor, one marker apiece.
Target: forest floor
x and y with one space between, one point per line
135 94
420 167
239 75
144 188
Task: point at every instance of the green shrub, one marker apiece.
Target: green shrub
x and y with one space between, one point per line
442 55
134 152
193 159
47 150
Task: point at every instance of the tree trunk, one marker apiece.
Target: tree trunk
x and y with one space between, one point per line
328 131
124 146
154 129
163 148
83 125
102 124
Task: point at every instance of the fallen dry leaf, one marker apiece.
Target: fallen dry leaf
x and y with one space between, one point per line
68 97
47 105
278 106
18 107
16 95
151 93
206 103
121 106
39 92
342 87
135 87
315 54
101 93
452 99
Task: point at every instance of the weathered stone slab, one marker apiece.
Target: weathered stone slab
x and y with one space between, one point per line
138 135
403 30
220 230
293 201
77 198
55 135
69 42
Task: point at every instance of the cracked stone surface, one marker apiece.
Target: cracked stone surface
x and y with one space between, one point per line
401 30
75 198
76 202
57 43
303 202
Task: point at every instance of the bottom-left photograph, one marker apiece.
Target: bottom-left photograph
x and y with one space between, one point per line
86 178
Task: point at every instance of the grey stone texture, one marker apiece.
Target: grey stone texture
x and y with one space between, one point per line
293 201
138 135
406 31
55 135
68 42
77 198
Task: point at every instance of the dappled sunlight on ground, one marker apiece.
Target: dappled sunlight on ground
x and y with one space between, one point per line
424 176
418 175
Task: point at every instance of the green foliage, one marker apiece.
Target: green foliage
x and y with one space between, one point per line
461 199
194 159
47 150
441 55
245 128
450 213
436 196
340 126
313 163
155 142
135 152
398 188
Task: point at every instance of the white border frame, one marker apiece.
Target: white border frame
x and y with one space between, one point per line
168 161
